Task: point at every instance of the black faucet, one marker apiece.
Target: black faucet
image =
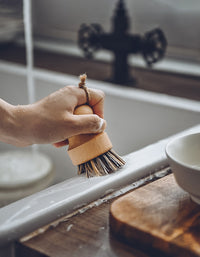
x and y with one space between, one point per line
152 45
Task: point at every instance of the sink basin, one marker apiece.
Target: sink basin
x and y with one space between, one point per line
139 125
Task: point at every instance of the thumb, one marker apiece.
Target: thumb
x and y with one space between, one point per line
90 123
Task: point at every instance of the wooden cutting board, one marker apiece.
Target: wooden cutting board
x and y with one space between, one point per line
160 216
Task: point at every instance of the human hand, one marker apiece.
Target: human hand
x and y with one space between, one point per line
97 104
51 120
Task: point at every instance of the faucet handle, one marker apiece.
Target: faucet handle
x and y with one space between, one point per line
154 46
89 38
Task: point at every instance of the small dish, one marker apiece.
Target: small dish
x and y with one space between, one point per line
23 173
184 158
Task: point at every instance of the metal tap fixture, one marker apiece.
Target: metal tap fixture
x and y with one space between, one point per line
152 45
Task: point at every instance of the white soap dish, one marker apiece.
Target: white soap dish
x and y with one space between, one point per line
23 173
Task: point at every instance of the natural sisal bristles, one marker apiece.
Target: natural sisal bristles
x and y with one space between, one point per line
102 165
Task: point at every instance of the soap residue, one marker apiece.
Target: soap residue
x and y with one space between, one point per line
69 227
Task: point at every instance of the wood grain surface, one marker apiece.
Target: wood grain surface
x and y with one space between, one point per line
159 215
85 233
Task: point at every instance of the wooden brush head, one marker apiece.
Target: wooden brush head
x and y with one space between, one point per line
85 147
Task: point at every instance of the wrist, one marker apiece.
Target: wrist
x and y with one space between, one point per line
23 125
14 120
6 121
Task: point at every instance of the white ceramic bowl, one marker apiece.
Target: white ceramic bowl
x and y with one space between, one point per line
184 158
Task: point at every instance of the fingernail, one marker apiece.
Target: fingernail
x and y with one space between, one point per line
102 125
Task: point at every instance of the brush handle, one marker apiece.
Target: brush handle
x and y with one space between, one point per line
85 147
77 140
83 109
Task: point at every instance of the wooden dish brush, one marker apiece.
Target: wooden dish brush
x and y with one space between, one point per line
92 153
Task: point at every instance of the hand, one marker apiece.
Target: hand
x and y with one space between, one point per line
51 120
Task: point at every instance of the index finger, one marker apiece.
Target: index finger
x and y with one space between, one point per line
96 101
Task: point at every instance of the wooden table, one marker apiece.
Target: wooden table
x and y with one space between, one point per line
83 233
151 217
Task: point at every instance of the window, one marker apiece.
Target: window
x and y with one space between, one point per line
179 19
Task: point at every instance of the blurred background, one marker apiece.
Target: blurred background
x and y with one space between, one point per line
55 37
179 19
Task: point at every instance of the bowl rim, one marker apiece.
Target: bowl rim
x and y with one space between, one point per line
170 157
